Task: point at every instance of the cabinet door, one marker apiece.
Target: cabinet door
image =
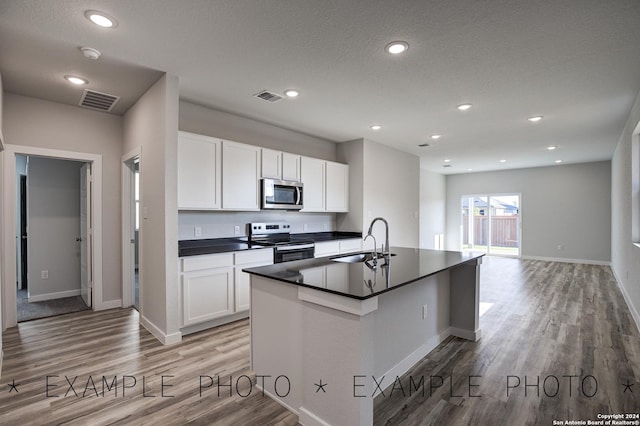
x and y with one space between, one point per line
248 259
290 167
327 248
271 164
347 246
312 173
337 187
199 166
207 295
240 172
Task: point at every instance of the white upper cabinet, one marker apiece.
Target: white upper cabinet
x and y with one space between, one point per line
337 187
280 165
313 173
240 175
290 167
199 172
271 164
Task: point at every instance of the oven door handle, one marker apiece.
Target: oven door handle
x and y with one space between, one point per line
298 247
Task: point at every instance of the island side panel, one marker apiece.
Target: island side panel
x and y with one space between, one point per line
276 339
338 350
403 334
465 300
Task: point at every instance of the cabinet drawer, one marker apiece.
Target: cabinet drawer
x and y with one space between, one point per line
347 246
264 256
208 261
327 248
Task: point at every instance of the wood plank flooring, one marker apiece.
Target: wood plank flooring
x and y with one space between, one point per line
547 320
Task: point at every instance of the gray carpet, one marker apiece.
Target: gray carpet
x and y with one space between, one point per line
48 308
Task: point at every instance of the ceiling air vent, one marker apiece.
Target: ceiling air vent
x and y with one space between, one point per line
99 101
268 96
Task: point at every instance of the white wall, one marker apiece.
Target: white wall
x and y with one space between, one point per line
44 124
152 125
53 225
390 188
565 205
1 216
433 195
625 257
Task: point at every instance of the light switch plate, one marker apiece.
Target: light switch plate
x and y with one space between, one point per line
197 231
44 275
236 230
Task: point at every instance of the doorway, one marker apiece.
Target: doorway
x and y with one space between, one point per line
491 224
11 250
54 231
132 281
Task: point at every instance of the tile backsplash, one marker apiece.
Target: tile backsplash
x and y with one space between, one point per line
222 224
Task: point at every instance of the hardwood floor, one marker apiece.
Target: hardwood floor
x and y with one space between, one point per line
547 320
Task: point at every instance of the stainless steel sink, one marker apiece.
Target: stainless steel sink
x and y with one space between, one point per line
359 257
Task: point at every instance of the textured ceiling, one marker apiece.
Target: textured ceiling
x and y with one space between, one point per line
577 62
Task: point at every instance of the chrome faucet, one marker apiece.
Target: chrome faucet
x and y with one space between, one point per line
386 242
374 257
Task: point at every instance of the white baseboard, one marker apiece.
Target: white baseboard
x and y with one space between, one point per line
307 418
465 334
51 296
109 304
214 323
627 299
165 339
405 365
277 399
564 260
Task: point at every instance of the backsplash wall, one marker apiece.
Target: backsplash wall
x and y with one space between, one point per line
221 224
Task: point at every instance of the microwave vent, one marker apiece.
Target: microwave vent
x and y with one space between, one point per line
268 96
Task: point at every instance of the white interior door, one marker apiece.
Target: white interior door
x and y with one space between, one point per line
85 234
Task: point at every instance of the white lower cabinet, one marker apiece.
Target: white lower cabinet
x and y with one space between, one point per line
207 294
214 286
335 247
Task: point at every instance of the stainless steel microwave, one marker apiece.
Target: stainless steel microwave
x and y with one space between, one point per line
281 195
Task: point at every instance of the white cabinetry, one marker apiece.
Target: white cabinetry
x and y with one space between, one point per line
312 173
199 172
207 288
248 259
337 187
326 185
335 247
240 173
290 167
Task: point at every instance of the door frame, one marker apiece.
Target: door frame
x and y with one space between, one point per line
518 227
128 223
9 302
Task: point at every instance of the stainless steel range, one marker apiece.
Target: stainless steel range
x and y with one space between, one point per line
278 235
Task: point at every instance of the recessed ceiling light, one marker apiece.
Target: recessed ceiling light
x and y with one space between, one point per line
435 137
558 161
76 80
376 127
535 118
551 147
469 170
291 93
396 47
446 160
464 107
101 19
503 161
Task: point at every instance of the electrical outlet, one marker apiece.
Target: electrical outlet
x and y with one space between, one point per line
44 275
424 312
197 231
560 247
236 230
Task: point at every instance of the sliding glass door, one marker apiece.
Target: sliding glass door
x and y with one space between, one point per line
491 224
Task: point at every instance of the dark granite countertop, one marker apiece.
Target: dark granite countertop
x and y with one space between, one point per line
359 281
225 245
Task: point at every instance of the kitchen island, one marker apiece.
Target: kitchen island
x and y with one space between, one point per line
329 335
